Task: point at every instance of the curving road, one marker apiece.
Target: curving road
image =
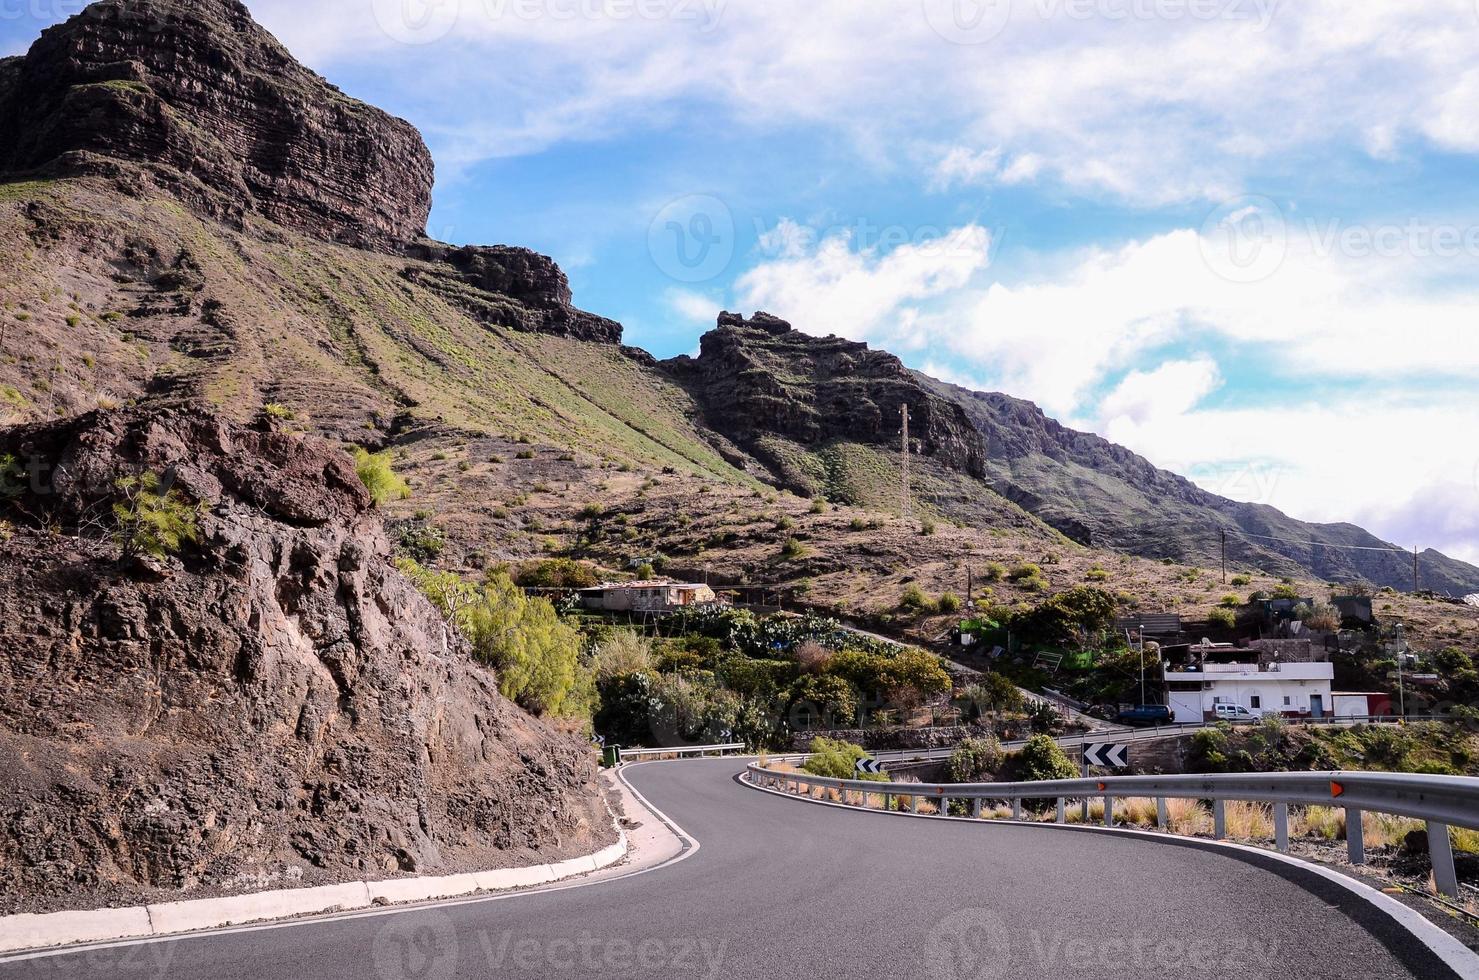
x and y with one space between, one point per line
783 888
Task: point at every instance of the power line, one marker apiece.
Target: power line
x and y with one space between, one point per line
1316 544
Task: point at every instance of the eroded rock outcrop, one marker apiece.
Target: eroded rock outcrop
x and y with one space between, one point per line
510 287
277 705
219 113
759 376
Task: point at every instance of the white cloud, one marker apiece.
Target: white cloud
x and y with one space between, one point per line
693 307
1149 109
864 292
1172 389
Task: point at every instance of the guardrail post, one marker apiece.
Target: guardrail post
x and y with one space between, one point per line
888 802
1062 810
1440 849
1109 811
1017 808
942 804
975 808
1281 826
1355 836
914 803
1219 820
1162 817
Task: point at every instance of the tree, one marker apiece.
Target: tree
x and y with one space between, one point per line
376 473
1077 616
153 519
833 699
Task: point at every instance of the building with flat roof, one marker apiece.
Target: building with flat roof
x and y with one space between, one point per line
657 596
1292 690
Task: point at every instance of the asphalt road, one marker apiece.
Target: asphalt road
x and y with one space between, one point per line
784 888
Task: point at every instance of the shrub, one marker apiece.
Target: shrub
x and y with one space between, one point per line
535 654
153 519
1285 591
621 653
1042 759
423 542
1076 617
838 760
1242 580
1097 574
976 760
275 410
1322 616
558 573
1223 618
793 549
927 527
592 512
812 657
645 572
524 454
832 699
784 523
993 692
1231 602
995 572
1024 571
819 506
857 524
949 603
915 599
376 473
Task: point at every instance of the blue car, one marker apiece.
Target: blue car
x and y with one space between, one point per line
1146 714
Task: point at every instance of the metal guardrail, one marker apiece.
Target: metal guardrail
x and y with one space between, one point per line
1440 802
683 752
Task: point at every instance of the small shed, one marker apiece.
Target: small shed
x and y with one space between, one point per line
660 595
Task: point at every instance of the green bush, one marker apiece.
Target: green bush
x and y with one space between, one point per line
1231 602
819 506
621 653
1242 581
838 760
949 603
534 653
1224 618
915 599
1042 759
1077 617
376 473
976 760
153 519
831 697
995 572
558 573
992 693
1024 571
1097 574
793 549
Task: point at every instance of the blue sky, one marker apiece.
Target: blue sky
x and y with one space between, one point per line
1239 236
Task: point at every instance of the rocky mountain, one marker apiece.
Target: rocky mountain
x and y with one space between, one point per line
761 377
1104 495
278 705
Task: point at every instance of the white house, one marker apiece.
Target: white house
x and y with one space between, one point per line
1294 690
659 596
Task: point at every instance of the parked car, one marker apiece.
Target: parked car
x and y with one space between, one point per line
1145 714
1233 713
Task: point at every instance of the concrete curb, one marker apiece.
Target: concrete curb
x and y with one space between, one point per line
20 933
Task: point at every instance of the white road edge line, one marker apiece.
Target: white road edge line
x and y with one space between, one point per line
691 847
1455 955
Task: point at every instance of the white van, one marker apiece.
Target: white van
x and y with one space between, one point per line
1232 712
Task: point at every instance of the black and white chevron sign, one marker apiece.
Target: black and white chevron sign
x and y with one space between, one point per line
869 767
1107 755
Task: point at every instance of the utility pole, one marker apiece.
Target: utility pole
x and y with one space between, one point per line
908 492
1416 581
1224 556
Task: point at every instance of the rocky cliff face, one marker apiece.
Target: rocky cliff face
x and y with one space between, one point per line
276 706
509 287
760 377
220 114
